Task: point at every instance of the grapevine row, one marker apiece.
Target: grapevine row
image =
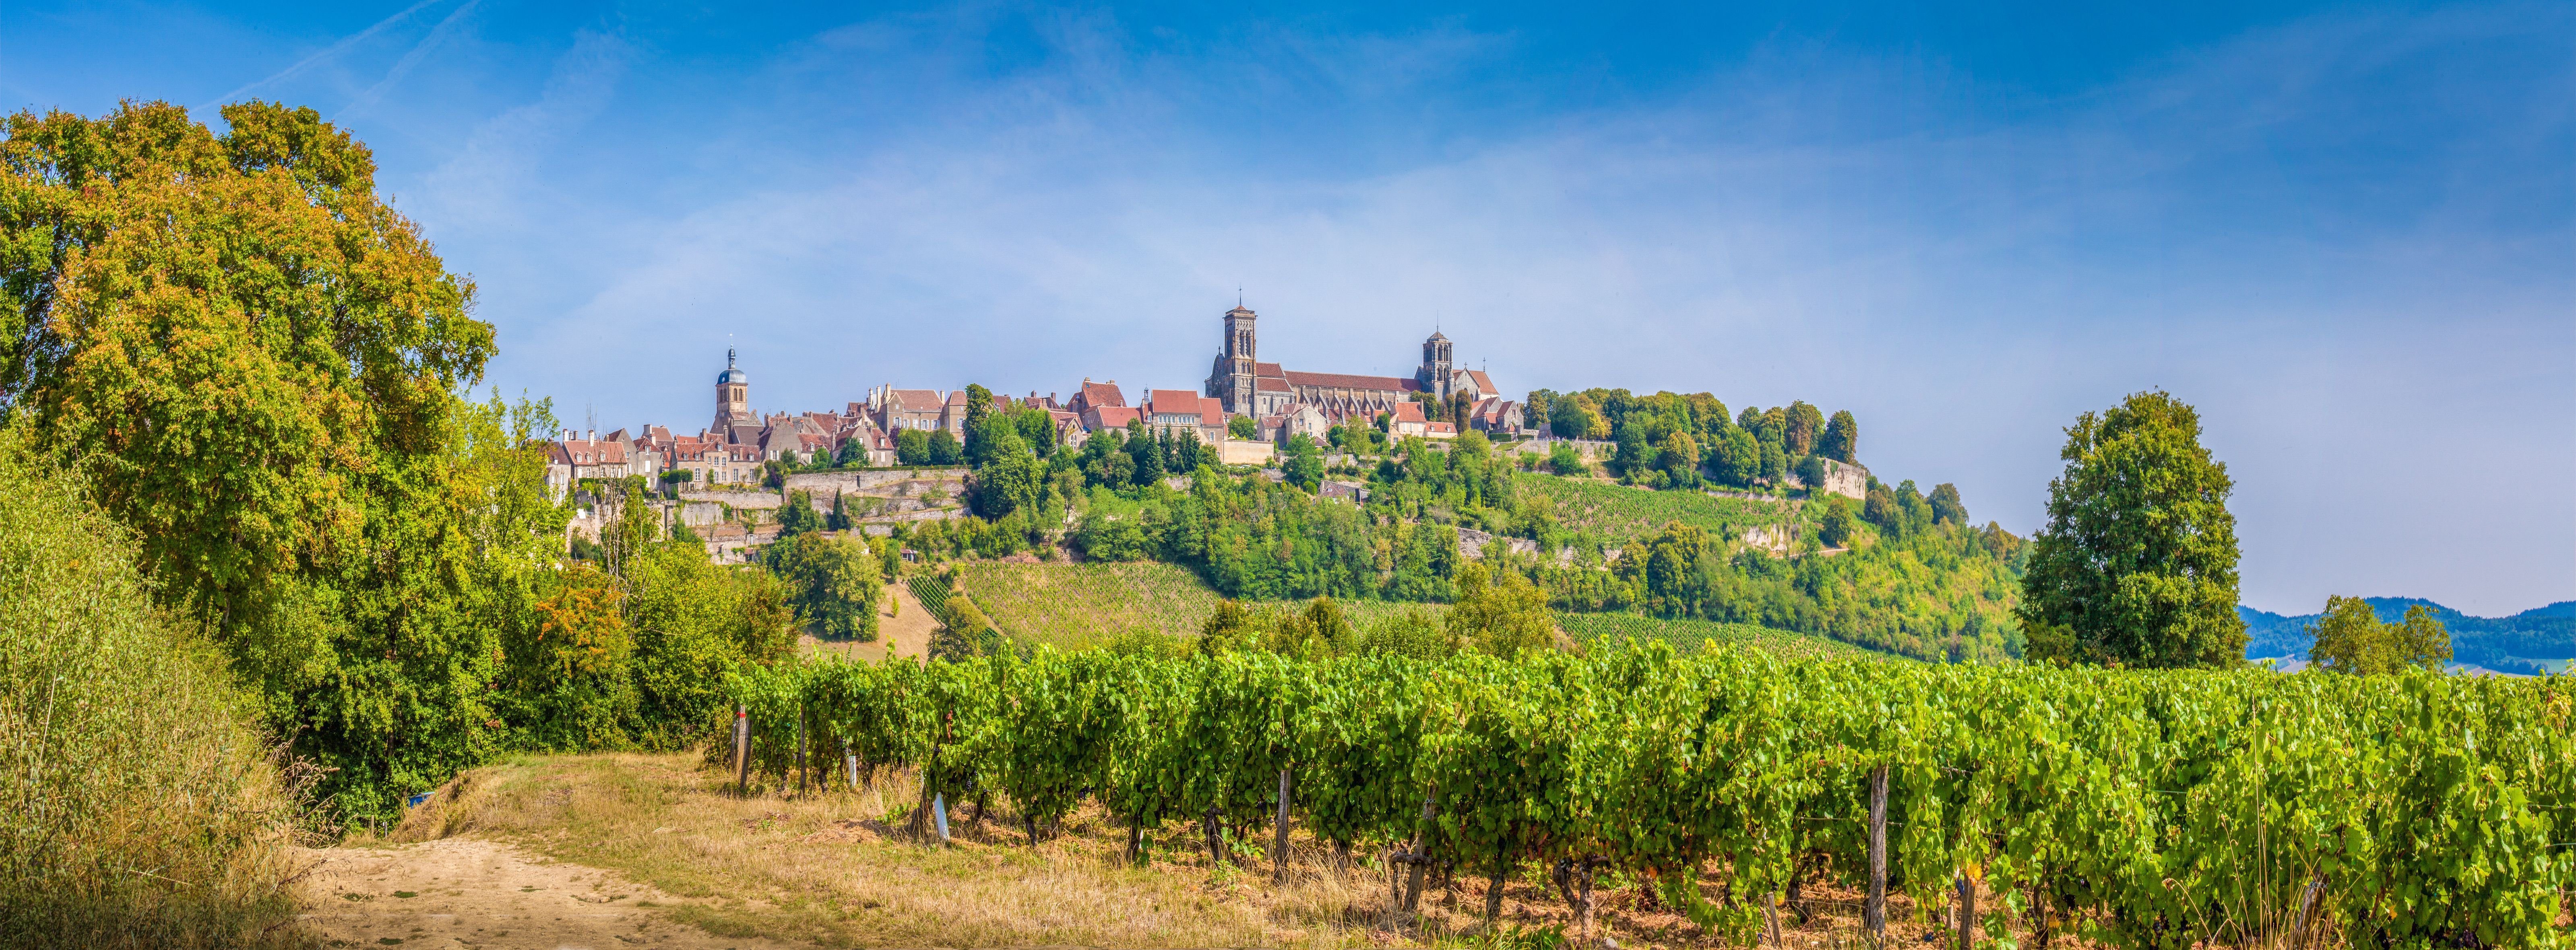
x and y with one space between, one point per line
2141 809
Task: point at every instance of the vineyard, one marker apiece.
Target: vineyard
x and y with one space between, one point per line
1618 513
1688 636
2135 809
1070 606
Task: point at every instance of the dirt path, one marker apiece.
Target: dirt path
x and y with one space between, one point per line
905 628
459 892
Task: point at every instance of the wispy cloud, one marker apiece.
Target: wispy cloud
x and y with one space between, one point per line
367 100
328 53
1966 267
493 181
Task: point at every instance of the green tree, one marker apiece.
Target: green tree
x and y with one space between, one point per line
1305 465
1801 422
1811 473
2137 563
1105 461
263 370
798 516
1839 525
942 448
2351 639
1736 458
912 447
1242 427
1146 452
1011 480
1571 419
1679 458
1841 441
1503 616
1946 507
834 584
1775 463
853 453
979 407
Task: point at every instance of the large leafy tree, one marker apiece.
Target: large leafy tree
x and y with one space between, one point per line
261 369
2137 564
244 341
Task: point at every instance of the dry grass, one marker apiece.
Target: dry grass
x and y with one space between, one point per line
827 867
138 804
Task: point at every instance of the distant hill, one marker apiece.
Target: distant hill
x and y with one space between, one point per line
2506 644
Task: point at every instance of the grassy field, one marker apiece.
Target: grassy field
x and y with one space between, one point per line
833 868
1622 513
1070 606
1690 636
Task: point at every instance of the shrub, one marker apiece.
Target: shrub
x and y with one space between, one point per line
124 748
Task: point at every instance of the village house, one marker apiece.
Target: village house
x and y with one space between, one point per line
1175 411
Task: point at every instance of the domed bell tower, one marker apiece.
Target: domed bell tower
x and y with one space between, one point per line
733 395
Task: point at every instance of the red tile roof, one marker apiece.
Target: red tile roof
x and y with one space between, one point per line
1483 384
1110 417
1097 395
1407 412
1347 381
1172 400
1269 385
1266 369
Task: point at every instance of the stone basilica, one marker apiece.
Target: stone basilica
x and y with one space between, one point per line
1249 387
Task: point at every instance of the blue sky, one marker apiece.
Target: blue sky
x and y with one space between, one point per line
2347 233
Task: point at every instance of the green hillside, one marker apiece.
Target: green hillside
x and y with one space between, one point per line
1072 606
1617 513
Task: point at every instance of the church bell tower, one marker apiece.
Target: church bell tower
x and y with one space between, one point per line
1434 374
1240 364
733 397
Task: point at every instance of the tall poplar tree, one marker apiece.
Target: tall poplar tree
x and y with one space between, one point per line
2137 564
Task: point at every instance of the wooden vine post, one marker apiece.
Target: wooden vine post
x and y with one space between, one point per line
1279 840
1873 914
801 769
741 751
1215 838
1771 919
1413 852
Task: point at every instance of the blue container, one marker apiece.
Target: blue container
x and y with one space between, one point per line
414 801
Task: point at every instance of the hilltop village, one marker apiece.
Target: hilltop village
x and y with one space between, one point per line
902 448
1246 410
